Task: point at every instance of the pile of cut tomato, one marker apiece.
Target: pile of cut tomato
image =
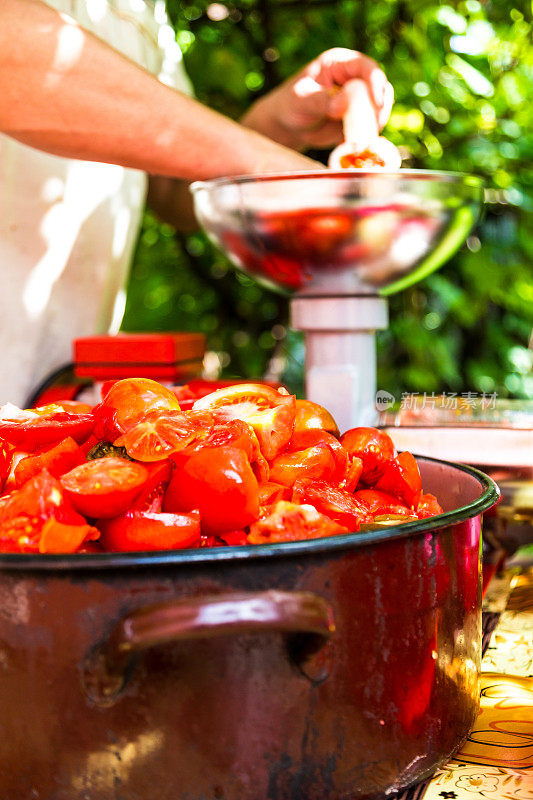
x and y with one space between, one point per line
154 468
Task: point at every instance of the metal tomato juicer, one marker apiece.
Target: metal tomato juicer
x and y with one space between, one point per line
340 242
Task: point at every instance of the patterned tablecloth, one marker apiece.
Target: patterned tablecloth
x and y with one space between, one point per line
496 761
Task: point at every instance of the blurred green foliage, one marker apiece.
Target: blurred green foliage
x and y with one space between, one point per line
463 78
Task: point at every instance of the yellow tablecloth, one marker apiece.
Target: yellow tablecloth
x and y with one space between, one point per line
497 760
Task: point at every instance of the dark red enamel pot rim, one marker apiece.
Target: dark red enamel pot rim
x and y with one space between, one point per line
209 555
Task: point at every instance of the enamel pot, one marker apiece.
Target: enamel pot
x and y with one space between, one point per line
318 670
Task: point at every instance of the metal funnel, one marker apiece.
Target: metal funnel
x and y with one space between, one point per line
340 241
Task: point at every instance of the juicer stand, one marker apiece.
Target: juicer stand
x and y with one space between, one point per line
340 353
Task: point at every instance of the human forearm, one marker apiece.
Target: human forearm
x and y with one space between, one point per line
65 91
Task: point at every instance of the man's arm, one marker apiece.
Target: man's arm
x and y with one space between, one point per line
65 91
304 111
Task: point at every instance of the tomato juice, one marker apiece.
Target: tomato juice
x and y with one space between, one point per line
285 247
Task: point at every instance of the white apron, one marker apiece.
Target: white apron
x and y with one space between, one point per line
67 227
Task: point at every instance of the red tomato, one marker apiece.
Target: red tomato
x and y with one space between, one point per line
106 426
5 463
45 431
105 487
72 406
146 530
24 512
270 493
199 387
372 446
289 522
310 438
220 482
151 495
271 413
310 415
401 477
320 233
353 473
380 503
234 538
428 506
133 398
59 459
315 462
337 504
160 433
58 537
235 433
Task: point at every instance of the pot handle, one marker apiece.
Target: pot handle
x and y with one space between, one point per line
304 615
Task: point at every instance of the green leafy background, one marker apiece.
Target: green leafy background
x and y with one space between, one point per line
463 79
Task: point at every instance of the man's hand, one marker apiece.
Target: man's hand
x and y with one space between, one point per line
306 111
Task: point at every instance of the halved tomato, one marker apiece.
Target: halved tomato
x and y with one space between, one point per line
401 477
289 522
158 434
199 387
57 460
105 487
147 530
372 446
220 482
270 412
310 415
133 398
43 430
335 503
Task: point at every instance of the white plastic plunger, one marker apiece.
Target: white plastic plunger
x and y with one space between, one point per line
339 241
361 131
340 353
